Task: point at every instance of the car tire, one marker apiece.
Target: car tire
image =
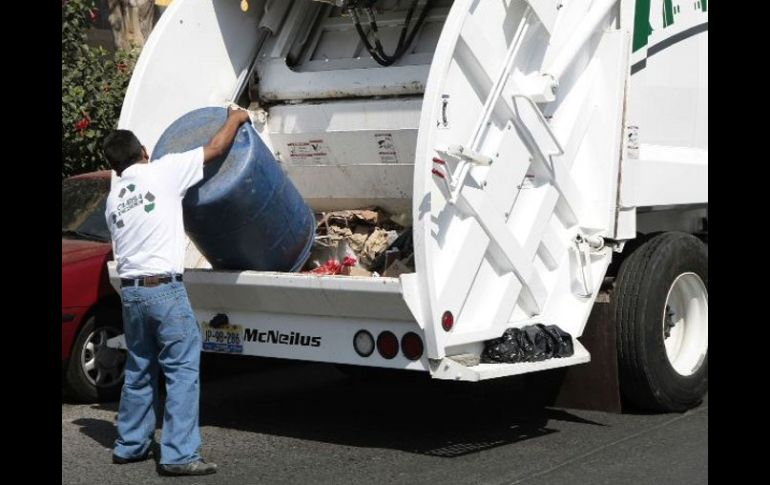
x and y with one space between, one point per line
94 372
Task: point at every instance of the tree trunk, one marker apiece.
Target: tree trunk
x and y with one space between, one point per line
131 21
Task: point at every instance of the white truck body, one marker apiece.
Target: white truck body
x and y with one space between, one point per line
563 130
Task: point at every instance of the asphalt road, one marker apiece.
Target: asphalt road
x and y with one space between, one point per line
273 422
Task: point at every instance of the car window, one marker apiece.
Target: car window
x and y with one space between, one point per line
83 205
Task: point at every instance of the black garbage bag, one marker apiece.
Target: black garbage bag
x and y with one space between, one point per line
560 341
537 340
531 343
507 348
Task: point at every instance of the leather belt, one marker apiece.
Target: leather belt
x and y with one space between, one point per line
149 281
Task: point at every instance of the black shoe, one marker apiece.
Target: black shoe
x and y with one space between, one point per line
199 467
119 460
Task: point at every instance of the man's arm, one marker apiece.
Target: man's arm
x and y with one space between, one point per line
224 138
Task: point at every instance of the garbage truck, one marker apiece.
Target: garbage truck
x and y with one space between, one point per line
541 151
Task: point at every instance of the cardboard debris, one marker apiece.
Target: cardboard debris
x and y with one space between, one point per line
359 271
376 243
363 235
348 218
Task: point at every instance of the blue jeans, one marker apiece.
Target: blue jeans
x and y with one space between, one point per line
161 334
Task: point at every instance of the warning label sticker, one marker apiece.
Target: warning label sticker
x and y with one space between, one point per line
386 148
308 152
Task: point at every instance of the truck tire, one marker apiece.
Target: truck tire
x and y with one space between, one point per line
95 372
661 313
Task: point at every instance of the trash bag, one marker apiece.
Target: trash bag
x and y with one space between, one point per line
507 348
532 343
560 342
537 347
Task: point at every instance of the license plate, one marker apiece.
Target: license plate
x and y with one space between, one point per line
227 339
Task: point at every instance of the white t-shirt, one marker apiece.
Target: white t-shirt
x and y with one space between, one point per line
144 214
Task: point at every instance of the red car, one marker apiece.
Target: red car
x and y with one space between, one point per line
91 309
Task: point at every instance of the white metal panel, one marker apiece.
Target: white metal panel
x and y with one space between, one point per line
668 110
517 182
340 187
667 176
294 294
348 154
303 294
334 334
332 308
328 60
669 82
279 82
546 11
667 162
192 59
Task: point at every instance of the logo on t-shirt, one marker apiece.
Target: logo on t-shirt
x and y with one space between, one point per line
135 199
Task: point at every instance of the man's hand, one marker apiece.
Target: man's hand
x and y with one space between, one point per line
240 115
224 138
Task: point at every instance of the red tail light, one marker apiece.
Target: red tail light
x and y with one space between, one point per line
411 346
447 321
387 345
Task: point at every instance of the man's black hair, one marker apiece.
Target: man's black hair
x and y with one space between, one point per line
122 149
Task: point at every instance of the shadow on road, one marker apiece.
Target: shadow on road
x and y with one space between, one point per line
101 431
403 411
406 411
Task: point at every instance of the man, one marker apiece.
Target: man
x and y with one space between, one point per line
144 213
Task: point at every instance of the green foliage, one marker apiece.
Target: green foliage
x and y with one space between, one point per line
94 83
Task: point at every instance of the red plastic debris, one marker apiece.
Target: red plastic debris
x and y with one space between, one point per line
334 267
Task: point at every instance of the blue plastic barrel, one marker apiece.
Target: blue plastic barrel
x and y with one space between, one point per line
245 214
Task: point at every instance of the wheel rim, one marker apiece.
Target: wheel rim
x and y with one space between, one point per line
101 365
685 324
